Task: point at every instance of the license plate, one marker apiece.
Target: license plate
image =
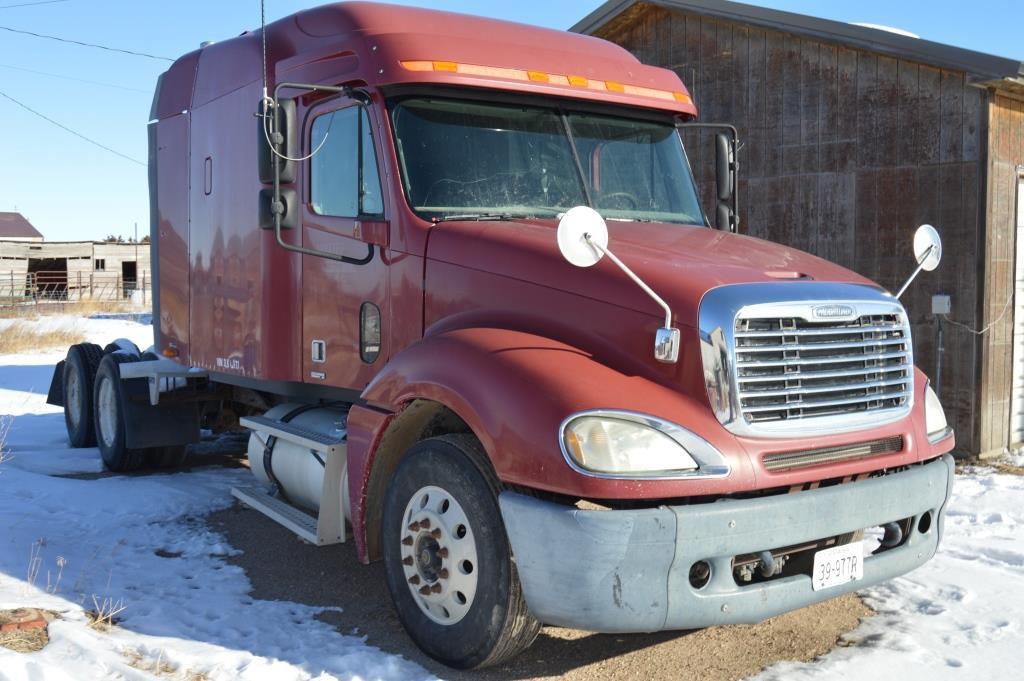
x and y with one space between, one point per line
838 565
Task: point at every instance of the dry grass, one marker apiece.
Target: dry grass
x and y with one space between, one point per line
78 308
104 613
1008 468
159 667
21 336
1002 464
85 308
25 640
26 312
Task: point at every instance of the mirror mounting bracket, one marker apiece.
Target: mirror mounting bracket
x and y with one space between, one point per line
727 214
277 206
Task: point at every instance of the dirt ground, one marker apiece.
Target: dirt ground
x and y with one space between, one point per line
280 566
283 567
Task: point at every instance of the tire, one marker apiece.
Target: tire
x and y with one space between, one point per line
122 345
79 376
473 614
109 417
171 456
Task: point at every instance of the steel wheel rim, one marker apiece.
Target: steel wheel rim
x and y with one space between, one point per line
106 412
439 557
74 398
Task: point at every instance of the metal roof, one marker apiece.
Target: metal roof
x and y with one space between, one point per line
979 65
15 226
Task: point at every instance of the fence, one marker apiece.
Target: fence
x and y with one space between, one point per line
28 288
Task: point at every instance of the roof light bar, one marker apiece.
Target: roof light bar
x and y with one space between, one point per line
581 82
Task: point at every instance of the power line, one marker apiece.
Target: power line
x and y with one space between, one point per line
67 129
79 80
29 4
79 42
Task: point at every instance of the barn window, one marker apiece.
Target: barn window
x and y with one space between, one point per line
100 265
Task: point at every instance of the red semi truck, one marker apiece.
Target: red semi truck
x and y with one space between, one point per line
454 276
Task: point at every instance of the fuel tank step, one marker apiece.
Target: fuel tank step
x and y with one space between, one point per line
305 437
300 453
299 522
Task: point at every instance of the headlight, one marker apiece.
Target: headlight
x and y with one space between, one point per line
934 416
624 444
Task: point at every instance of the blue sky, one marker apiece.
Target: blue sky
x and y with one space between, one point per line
72 190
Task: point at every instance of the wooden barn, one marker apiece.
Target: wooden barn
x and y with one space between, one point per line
852 137
73 270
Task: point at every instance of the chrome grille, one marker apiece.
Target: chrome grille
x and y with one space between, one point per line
789 368
787 461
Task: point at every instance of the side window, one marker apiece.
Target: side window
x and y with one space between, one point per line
373 201
340 185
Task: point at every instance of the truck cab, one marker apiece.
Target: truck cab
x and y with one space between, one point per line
454 275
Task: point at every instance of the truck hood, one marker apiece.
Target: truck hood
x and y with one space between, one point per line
680 262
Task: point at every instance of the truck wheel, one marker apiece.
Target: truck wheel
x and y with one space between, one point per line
79 375
171 456
447 560
109 417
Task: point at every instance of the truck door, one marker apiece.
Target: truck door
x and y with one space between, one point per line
343 304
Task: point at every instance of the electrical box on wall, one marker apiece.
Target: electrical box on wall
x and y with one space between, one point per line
941 304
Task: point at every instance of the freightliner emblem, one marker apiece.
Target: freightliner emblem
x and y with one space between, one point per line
833 311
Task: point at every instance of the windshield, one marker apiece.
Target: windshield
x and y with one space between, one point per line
472 159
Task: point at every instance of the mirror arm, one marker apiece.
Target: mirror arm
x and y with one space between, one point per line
360 96
916 272
637 280
277 207
667 338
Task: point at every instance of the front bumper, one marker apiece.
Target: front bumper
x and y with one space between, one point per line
628 571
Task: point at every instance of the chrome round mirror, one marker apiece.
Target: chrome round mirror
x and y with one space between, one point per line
927 247
572 228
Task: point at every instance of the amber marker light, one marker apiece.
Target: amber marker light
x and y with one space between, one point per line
556 79
572 440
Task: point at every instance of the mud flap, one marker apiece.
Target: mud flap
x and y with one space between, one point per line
56 394
168 423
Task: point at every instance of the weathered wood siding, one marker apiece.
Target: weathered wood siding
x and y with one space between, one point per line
845 153
115 254
1005 155
83 280
13 270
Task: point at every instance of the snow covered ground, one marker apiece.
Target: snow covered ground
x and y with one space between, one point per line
186 607
961 615
141 541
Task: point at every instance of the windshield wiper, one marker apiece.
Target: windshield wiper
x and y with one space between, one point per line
473 216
